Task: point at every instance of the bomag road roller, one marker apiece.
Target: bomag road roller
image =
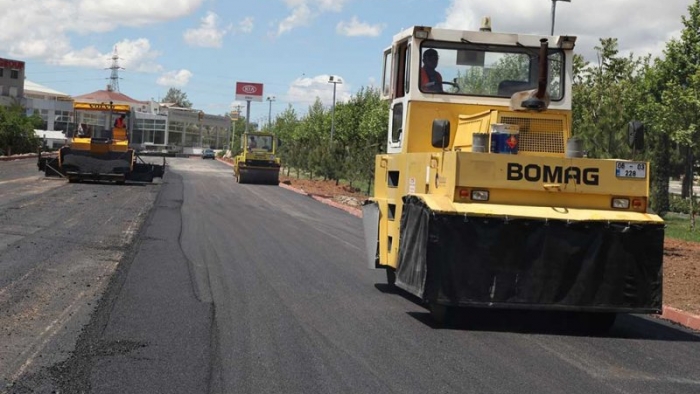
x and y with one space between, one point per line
98 148
485 199
258 162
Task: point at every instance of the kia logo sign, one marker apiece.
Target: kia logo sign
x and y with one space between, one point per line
249 91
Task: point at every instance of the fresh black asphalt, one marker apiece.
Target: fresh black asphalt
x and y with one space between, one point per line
256 289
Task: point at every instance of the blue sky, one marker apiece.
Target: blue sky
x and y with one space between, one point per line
203 47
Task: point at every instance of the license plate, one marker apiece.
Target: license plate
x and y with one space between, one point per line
631 169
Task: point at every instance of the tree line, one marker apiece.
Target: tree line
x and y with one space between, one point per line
359 133
663 93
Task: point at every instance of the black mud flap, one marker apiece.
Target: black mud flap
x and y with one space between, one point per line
49 166
88 164
533 264
145 172
370 223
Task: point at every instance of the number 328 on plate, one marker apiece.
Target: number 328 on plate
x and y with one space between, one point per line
631 169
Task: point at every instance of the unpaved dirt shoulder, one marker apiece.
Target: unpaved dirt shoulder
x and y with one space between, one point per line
682 275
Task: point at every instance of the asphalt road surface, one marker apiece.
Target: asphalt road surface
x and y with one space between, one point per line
232 288
59 246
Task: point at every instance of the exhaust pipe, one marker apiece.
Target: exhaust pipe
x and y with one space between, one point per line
538 102
544 70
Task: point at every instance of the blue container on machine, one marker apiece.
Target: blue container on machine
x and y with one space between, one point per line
505 138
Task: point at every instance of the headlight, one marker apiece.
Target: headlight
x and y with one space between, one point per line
480 195
621 203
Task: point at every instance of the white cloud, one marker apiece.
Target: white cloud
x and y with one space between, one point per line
41 29
245 26
304 11
208 34
137 55
134 55
87 57
641 26
301 16
305 90
175 79
132 13
355 28
331 5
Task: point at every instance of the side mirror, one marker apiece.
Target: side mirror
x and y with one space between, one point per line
279 142
635 135
441 133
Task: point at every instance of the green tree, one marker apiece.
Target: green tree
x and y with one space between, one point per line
17 130
606 97
679 76
359 133
369 136
285 128
178 97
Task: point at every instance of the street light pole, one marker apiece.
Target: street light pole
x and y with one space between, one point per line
554 10
335 81
201 117
269 112
247 115
235 114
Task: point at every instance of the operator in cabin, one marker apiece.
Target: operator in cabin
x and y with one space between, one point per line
252 144
120 122
430 78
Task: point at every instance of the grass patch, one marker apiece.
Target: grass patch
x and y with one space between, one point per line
678 227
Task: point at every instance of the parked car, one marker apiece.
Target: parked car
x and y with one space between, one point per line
208 154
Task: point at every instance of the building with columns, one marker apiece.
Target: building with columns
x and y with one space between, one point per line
153 126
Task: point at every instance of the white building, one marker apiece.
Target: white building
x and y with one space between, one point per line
52 139
54 107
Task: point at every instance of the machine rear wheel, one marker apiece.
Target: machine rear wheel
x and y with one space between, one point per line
600 323
441 314
390 277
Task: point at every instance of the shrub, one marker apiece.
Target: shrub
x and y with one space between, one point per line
682 205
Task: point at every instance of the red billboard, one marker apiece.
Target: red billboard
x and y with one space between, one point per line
248 91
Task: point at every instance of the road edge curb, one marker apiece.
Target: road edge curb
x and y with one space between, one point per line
327 201
681 317
11 158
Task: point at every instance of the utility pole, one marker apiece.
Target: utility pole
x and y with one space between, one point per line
554 10
334 80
